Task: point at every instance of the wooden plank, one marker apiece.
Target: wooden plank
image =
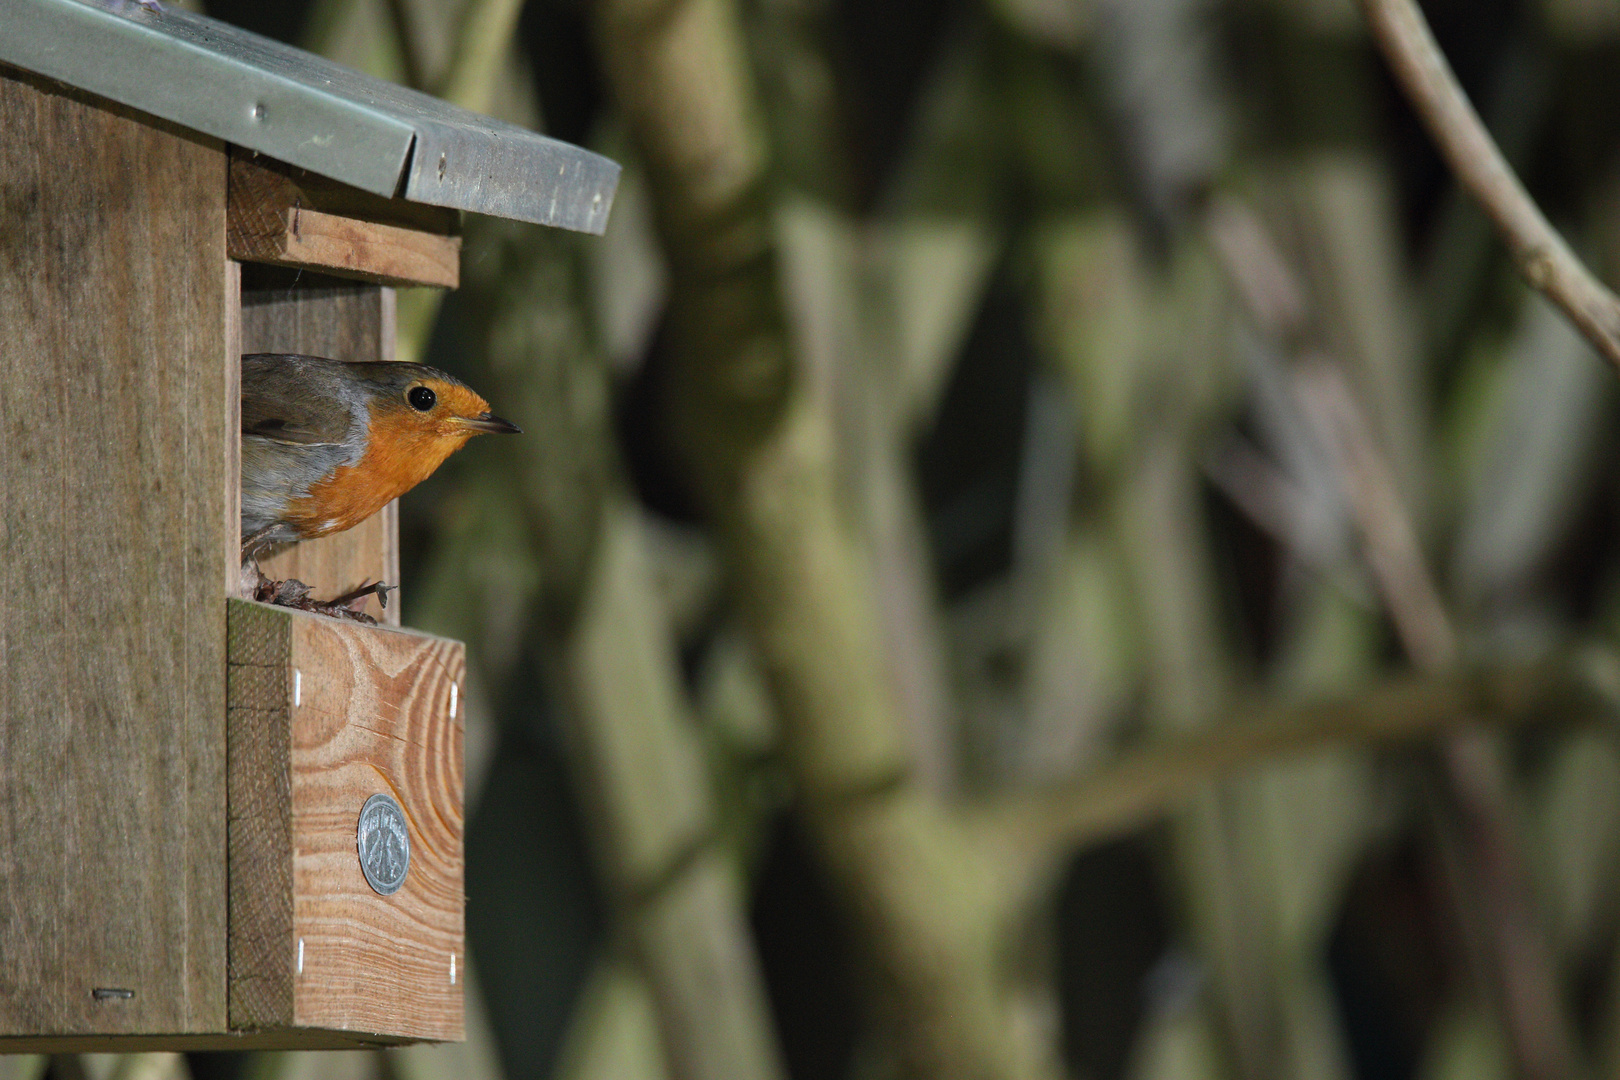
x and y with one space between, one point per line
328 713
258 730
283 311
325 194
376 716
232 406
289 218
291 1039
114 540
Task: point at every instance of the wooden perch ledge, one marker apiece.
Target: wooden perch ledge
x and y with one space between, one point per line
321 715
286 217
1035 831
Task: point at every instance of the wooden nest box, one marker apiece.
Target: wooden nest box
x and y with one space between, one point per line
183 773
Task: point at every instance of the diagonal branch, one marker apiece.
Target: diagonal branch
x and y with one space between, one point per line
1541 254
1036 830
1512 945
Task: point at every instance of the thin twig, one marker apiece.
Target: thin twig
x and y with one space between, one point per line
1476 780
1389 542
1274 501
1516 946
1266 283
1541 254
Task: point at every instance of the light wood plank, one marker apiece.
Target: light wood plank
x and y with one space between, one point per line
114 540
329 713
289 218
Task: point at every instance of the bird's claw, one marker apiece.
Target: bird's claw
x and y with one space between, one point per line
354 597
292 593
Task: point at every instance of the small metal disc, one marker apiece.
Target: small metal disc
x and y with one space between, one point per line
384 842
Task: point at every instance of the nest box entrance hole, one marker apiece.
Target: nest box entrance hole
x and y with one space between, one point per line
301 311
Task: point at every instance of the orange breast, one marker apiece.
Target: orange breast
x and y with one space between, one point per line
397 458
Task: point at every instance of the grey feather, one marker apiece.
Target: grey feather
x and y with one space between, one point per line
295 399
302 418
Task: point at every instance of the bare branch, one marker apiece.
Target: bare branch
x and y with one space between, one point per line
759 442
1542 256
1493 857
647 786
1265 282
1514 945
409 36
484 35
1040 828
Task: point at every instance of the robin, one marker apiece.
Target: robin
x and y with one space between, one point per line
326 444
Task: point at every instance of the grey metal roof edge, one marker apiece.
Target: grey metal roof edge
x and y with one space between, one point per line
307 111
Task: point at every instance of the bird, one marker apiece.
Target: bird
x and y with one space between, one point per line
327 443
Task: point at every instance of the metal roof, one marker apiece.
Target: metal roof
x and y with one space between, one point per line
307 111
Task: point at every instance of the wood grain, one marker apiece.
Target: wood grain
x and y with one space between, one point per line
114 541
310 313
250 169
258 729
289 218
232 406
290 1039
326 714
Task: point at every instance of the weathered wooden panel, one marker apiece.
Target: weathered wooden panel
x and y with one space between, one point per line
233 420
274 218
114 542
291 1039
259 736
288 311
323 715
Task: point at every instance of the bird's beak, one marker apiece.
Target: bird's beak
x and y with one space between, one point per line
485 422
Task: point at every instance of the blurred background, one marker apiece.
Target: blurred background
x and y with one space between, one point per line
980 418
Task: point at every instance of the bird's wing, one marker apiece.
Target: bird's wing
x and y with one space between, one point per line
294 399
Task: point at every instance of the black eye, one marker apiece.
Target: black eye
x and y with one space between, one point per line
421 398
